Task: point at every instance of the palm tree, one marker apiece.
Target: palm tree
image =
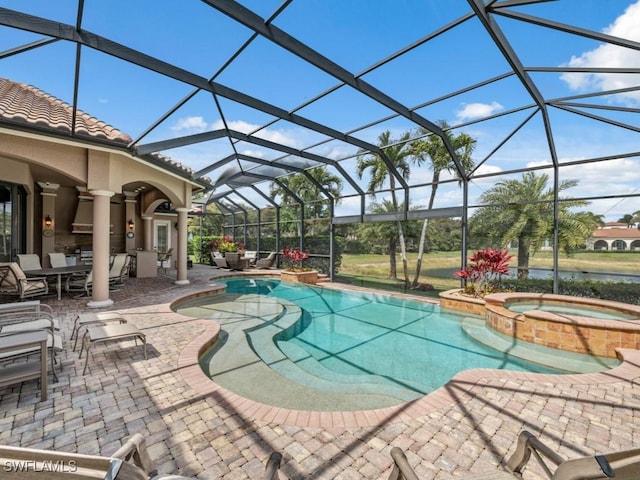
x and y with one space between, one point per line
433 150
628 218
382 233
308 191
522 211
397 152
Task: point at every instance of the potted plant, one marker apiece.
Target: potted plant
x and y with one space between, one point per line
225 245
296 272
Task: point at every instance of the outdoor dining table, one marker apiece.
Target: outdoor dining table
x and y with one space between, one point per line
58 272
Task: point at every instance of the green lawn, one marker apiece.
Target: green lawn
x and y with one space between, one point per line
438 267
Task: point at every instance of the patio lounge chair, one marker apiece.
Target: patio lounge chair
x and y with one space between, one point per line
129 462
30 313
218 260
252 256
267 262
13 281
54 341
623 465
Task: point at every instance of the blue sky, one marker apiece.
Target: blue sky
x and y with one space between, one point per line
355 34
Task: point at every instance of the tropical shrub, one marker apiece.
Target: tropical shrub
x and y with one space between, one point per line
482 276
295 258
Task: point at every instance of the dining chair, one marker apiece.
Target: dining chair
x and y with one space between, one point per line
163 257
117 270
80 282
57 260
14 281
29 261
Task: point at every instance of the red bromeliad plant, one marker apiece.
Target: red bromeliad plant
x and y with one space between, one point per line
486 269
296 257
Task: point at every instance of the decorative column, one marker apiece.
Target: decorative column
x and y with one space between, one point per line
148 233
49 194
101 251
181 255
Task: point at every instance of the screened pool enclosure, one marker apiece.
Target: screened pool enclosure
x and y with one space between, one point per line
364 127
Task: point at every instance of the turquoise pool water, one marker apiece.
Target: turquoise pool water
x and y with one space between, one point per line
582 311
307 347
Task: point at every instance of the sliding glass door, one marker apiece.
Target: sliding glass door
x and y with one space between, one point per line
12 221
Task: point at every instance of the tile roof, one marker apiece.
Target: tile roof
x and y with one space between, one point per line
26 104
617 233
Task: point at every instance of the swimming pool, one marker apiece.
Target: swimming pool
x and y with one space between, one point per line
313 348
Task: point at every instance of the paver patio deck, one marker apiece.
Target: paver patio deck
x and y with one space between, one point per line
193 429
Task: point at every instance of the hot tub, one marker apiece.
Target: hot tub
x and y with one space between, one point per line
576 324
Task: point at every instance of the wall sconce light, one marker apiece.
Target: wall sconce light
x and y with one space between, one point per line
48 221
130 224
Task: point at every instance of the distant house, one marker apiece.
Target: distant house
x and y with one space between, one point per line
615 236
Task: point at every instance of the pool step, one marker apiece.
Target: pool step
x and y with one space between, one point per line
550 357
317 373
251 376
296 363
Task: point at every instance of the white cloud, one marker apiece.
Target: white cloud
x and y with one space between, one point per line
485 169
538 163
608 55
253 153
278 136
348 206
621 175
190 125
469 111
238 125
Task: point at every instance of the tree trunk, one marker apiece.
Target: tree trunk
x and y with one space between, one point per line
403 246
523 259
393 267
423 239
403 253
425 225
